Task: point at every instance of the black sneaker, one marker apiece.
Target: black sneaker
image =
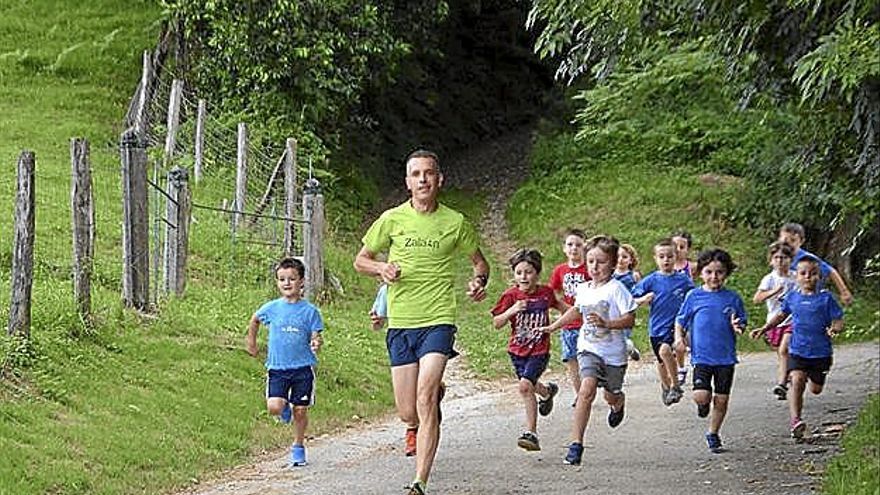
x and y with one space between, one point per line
415 489
703 410
575 452
528 441
546 405
780 391
615 417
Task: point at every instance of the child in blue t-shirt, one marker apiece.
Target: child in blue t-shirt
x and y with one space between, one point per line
664 290
295 327
816 317
628 274
714 315
794 235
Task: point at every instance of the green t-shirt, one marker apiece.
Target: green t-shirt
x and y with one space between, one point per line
423 245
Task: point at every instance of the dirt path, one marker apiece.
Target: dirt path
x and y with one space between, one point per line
656 450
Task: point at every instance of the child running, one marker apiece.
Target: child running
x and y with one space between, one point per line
626 272
607 308
816 318
526 306
664 290
794 235
714 315
564 280
772 290
683 242
295 328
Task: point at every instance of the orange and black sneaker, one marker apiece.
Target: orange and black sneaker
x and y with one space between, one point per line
410 449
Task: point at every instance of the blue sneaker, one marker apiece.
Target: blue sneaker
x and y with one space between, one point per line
714 443
286 415
575 452
297 455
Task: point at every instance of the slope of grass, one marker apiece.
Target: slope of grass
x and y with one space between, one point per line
856 470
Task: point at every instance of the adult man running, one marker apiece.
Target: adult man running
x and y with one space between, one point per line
422 237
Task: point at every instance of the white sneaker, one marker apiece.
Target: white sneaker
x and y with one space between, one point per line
633 351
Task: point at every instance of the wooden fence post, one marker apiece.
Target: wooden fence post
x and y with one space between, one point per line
82 211
135 239
176 231
240 176
313 237
23 249
145 96
200 140
290 198
173 121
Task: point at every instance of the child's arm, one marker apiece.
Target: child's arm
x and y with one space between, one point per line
774 322
625 321
317 342
637 276
762 295
500 320
835 328
647 299
251 339
846 296
569 316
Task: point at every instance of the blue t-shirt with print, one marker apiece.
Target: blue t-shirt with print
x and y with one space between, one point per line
669 291
811 316
706 314
290 333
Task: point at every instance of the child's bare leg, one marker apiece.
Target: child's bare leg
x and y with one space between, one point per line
681 353
616 401
586 396
275 405
719 410
796 393
815 388
527 392
669 365
782 354
574 374
702 397
300 423
663 375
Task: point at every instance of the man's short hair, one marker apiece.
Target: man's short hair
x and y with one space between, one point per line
794 228
423 153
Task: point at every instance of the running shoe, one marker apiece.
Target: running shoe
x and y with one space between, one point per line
546 405
409 449
714 443
703 410
615 417
528 441
798 427
675 395
286 414
664 396
575 452
682 376
415 489
297 455
780 391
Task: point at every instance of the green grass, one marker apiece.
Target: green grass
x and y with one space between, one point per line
856 470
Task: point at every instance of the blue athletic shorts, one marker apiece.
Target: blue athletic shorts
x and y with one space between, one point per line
530 367
408 345
568 338
296 385
656 342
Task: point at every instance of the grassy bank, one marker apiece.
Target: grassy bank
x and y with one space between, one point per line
856 470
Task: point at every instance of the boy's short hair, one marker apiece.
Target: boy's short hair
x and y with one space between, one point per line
423 153
794 228
809 259
780 247
529 256
684 234
294 263
719 255
578 232
605 243
632 254
665 242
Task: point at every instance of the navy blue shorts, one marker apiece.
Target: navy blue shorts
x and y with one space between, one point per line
296 385
656 342
721 376
530 367
816 369
408 345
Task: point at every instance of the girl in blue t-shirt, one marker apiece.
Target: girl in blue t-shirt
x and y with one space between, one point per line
714 315
816 317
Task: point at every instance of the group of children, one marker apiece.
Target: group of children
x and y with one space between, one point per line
597 291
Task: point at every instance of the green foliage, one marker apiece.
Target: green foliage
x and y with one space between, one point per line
857 469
